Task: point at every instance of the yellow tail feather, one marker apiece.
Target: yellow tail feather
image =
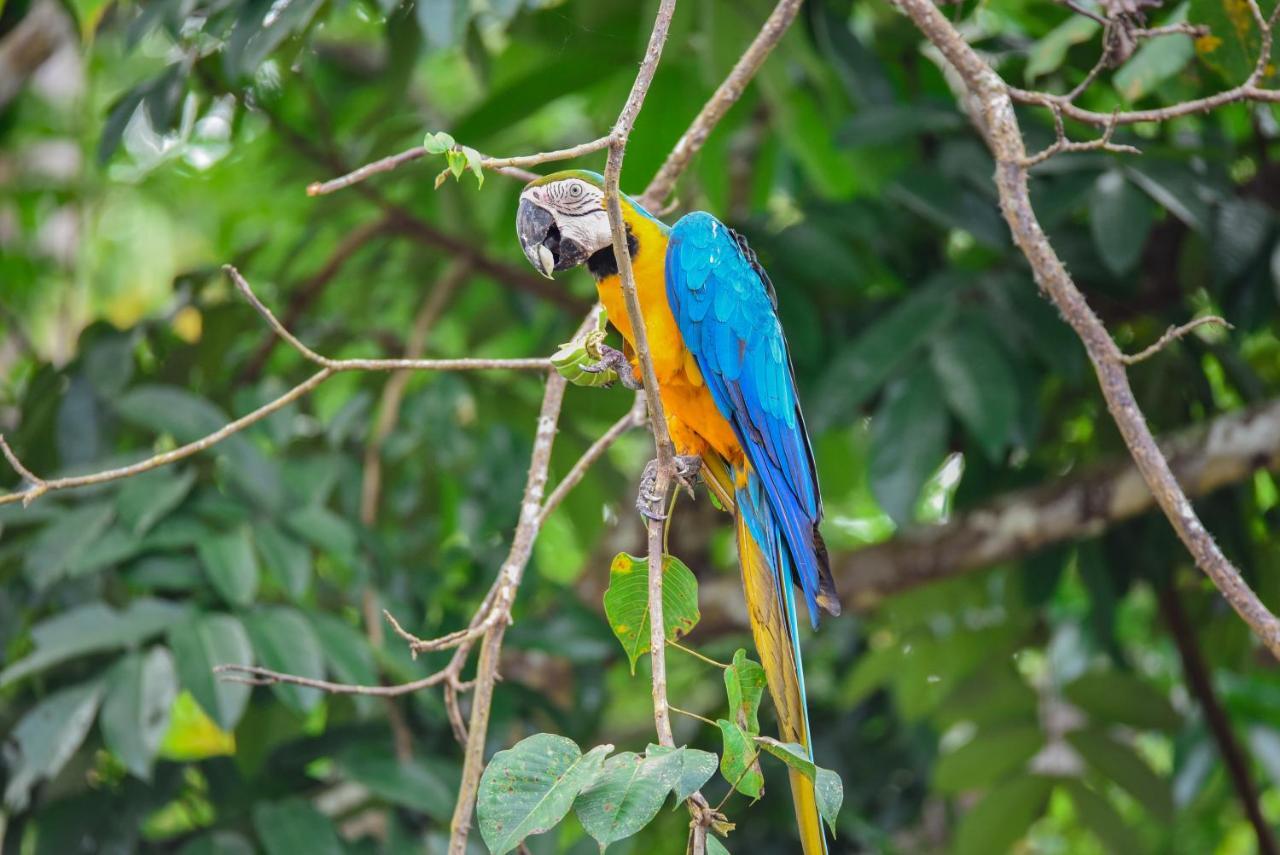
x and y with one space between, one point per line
772 630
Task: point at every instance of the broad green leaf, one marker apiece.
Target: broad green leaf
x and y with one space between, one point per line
438 142
1231 48
714 846
92 628
695 768
346 650
744 683
1102 819
908 441
135 712
203 643
60 544
738 761
218 843
261 27
285 642
793 754
1241 229
231 565
625 796
1153 63
626 602
888 342
45 738
529 788
420 784
830 792
323 529
1003 817
951 205
294 827
977 381
1122 765
192 734
1112 697
886 124
147 498
1175 187
283 557
1120 218
988 758
1048 53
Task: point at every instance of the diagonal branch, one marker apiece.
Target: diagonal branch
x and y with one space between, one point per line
992 110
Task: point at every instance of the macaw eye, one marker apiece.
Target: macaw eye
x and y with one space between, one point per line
575 190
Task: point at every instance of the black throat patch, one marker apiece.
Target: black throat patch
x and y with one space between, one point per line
602 264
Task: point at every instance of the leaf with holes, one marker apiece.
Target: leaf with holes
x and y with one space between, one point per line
626 602
626 795
744 683
694 768
529 788
739 761
830 791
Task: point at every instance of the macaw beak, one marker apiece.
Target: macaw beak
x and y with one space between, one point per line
541 241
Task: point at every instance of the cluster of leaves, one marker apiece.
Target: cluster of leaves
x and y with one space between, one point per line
187 142
531 787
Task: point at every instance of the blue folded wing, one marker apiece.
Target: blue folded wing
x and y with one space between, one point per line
724 306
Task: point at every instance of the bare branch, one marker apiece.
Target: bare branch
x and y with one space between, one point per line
1062 144
254 675
994 114
633 418
509 166
1172 334
725 96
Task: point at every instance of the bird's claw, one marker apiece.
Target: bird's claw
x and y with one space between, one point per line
610 359
649 502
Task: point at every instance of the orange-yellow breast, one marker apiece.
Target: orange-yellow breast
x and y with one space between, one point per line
695 423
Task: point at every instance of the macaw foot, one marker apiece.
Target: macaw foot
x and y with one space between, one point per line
649 502
612 358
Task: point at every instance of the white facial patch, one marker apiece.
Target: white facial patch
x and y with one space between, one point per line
578 207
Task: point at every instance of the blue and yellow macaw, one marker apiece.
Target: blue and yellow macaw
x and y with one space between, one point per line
725 377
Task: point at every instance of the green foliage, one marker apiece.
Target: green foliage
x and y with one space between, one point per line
744 683
626 602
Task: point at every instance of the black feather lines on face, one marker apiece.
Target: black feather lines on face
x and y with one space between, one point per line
602 264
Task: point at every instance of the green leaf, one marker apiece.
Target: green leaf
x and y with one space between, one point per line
418 784
529 788
1049 52
1119 763
793 754
1120 218
988 758
1112 697
284 558
92 628
626 602
908 441
218 843
293 826
738 762
135 712
744 683
887 343
887 124
714 846
261 27
198 646
457 162
45 738
1102 819
230 564
625 796
830 792
695 768
63 542
474 163
1175 187
979 385
148 498
1004 816
285 642
951 205
1154 63
1240 233
438 143
443 22
346 650
323 529
1231 48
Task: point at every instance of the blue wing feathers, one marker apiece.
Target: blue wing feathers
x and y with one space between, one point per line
724 307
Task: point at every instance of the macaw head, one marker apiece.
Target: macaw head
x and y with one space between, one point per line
561 221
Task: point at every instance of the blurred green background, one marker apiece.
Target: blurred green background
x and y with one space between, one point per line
1036 706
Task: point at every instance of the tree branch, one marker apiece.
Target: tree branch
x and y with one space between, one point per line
1170 335
1225 451
328 367
992 109
1200 682
725 96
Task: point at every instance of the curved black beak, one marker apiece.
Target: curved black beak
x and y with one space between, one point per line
539 236
542 242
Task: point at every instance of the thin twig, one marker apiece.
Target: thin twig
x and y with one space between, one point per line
511 166
255 675
688 714
695 654
725 96
1062 144
633 418
995 117
1172 334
